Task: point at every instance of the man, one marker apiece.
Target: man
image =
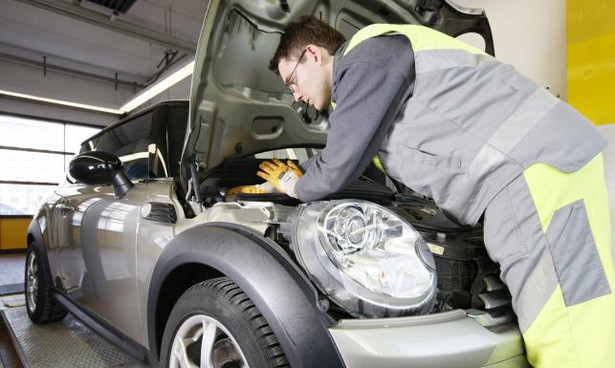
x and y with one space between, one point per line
454 124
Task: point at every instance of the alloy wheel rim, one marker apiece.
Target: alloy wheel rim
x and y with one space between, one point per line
32 282
202 341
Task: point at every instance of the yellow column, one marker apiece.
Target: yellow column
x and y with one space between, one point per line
13 232
590 51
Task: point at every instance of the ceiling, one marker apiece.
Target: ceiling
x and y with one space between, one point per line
73 39
97 58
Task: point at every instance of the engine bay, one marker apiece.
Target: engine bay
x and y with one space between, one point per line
466 277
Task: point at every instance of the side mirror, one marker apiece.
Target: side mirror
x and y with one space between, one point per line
100 168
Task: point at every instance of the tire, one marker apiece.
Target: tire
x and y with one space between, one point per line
40 303
219 312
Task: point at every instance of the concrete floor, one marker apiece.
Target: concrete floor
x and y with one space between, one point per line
12 266
8 354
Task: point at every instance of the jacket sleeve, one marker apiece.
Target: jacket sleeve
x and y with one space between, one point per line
307 163
368 96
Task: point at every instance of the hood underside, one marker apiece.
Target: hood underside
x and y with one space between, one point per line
239 107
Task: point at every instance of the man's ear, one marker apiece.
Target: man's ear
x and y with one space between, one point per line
315 53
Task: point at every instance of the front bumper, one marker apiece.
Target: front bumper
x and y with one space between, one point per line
451 339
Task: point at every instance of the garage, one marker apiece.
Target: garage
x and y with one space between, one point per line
306 183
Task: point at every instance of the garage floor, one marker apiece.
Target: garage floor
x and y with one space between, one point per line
11 273
67 343
9 357
8 354
12 268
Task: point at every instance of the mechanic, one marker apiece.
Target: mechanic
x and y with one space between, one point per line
454 124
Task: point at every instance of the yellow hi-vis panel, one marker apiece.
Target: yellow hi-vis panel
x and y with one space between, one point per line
556 320
421 37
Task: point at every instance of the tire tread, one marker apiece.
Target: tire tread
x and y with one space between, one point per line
231 291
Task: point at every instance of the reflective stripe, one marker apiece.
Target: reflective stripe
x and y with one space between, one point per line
509 134
514 238
522 121
432 60
575 255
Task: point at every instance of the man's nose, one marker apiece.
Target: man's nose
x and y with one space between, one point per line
297 95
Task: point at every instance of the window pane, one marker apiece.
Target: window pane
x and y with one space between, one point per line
22 199
135 158
76 134
130 142
31 166
29 133
115 140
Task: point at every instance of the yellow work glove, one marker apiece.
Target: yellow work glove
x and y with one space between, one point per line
294 168
250 189
282 176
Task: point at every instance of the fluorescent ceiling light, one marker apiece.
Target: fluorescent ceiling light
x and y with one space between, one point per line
137 101
159 87
61 102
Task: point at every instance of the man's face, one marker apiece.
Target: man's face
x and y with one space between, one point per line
308 77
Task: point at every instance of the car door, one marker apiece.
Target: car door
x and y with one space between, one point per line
98 258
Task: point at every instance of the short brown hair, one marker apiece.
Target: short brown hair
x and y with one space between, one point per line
307 30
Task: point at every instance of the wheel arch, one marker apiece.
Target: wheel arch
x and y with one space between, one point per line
37 239
174 284
283 295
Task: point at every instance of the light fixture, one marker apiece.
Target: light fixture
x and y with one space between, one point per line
60 102
159 87
135 102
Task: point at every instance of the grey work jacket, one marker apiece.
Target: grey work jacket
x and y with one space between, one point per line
473 124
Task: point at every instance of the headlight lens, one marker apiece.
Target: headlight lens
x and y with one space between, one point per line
366 258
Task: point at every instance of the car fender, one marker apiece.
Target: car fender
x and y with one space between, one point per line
37 239
267 275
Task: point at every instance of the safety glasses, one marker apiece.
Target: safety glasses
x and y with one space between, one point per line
291 81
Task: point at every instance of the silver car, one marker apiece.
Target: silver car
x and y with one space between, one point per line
143 244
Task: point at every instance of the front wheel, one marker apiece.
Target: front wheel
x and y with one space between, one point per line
214 324
41 305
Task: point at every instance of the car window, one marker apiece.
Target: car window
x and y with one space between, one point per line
131 142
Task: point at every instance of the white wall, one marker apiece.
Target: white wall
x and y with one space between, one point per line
531 35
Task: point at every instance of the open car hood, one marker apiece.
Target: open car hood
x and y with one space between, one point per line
239 107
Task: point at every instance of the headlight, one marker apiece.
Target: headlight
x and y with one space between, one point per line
365 258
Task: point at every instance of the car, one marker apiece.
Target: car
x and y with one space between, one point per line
144 244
